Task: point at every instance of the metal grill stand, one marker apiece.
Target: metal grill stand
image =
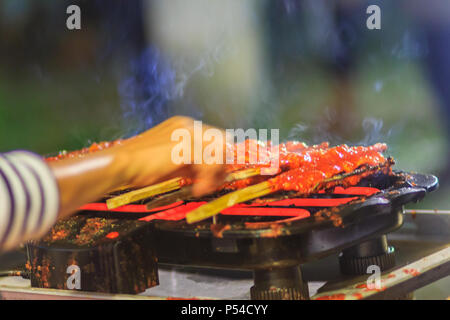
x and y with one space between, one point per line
355 260
279 284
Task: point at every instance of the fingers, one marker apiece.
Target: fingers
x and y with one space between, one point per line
208 178
151 154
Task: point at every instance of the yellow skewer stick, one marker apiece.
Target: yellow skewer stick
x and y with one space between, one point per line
243 174
144 193
167 186
214 207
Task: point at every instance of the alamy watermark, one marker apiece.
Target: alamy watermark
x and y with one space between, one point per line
374 20
74 280
207 147
374 281
73 21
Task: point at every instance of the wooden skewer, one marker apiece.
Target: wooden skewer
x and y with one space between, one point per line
214 207
238 175
185 193
259 190
170 185
243 174
359 171
144 193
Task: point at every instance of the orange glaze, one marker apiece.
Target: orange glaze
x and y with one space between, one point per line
303 166
112 235
358 296
411 271
80 153
307 166
367 289
248 154
258 154
338 296
319 164
291 155
185 182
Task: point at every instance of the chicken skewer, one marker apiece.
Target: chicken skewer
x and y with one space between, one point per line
244 176
170 185
185 192
318 168
292 155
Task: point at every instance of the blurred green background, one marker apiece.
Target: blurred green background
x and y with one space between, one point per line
263 64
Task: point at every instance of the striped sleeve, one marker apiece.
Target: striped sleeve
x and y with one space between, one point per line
29 198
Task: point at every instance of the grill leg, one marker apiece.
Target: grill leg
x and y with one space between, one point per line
279 284
355 260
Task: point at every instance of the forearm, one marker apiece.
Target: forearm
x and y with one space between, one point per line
33 189
87 179
139 161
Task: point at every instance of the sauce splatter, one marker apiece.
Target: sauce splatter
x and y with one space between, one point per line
112 235
411 271
358 296
338 296
218 229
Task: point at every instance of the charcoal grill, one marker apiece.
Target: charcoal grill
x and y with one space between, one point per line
123 247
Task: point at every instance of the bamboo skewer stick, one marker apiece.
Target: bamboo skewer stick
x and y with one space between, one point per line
122 188
144 193
214 207
185 193
217 205
170 185
243 174
343 176
237 175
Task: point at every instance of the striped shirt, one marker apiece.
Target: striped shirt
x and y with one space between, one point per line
29 198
